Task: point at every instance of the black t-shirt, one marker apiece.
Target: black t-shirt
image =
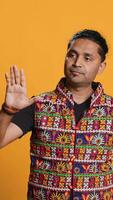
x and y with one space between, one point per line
25 117
80 109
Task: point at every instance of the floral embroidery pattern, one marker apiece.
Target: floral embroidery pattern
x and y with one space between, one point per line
98 140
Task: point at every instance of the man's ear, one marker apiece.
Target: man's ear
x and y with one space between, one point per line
102 67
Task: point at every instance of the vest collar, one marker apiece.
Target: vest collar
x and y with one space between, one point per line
66 93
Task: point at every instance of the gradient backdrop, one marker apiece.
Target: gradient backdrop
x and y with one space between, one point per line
34 35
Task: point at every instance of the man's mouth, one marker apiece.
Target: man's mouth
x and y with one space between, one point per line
75 72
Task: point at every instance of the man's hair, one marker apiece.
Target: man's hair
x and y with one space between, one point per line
94 36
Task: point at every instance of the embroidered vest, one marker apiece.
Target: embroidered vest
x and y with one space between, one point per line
70 161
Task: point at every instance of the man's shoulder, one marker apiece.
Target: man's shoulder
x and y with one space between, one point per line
108 99
46 96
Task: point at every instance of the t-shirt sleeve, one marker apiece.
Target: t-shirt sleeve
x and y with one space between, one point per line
24 119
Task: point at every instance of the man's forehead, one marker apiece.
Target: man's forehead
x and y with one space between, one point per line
85 45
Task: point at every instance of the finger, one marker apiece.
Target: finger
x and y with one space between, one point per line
22 78
7 78
12 79
16 74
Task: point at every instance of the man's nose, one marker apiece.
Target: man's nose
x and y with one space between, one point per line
78 62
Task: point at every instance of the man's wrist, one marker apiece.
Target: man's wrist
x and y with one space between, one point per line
9 109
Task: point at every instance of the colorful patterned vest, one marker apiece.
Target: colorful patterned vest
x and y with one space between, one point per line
70 161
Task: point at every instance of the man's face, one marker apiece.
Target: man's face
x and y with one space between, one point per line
82 62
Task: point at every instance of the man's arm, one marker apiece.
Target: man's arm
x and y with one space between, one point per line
15 100
8 130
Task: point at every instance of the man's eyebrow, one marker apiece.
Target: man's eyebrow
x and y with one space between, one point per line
88 54
85 53
72 51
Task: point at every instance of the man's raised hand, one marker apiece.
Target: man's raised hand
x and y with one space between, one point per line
16 92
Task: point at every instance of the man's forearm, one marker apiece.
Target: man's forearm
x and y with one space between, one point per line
5 120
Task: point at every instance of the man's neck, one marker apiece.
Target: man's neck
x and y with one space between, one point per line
81 93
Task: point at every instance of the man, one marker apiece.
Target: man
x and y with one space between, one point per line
72 132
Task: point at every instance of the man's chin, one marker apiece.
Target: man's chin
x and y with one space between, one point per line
74 80
75 83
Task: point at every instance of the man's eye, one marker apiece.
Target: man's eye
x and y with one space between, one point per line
71 55
87 58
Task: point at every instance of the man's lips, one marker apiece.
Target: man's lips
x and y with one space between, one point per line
76 72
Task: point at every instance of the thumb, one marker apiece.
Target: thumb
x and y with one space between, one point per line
32 100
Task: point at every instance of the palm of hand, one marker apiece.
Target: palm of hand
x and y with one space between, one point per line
16 95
